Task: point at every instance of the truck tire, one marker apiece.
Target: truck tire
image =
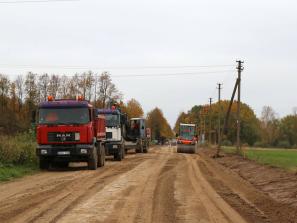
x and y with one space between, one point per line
119 155
146 148
123 151
44 163
101 156
93 159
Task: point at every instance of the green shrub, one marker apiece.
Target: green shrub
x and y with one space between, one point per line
284 144
18 150
226 142
261 144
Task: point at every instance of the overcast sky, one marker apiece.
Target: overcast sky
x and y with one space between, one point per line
94 34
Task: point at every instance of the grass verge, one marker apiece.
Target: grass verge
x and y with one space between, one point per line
9 172
283 158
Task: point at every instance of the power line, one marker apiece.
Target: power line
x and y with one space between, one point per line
37 1
111 67
173 74
148 75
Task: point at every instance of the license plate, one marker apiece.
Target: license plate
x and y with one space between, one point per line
63 152
114 146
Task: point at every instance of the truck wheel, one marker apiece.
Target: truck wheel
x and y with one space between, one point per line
119 155
93 159
145 150
44 163
101 157
141 147
123 151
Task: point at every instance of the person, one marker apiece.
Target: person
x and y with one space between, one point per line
51 117
135 127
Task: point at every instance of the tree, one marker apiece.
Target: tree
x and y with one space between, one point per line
4 88
43 84
200 114
288 129
269 126
31 92
54 85
86 83
107 90
20 86
160 128
133 109
181 119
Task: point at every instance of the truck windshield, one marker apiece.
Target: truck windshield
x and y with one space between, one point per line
187 132
64 116
112 120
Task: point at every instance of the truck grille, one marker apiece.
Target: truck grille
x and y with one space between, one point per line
61 137
108 135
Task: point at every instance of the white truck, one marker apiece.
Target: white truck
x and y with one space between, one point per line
115 129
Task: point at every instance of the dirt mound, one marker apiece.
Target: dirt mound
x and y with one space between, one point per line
266 194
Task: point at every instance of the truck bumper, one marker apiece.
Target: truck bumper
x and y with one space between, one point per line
79 152
112 148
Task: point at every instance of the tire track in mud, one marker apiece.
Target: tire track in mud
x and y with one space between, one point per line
119 200
53 198
216 208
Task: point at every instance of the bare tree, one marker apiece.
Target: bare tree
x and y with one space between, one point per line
43 84
107 90
86 82
20 85
295 111
4 88
31 90
64 87
269 125
54 85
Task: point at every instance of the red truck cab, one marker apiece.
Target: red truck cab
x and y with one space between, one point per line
70 131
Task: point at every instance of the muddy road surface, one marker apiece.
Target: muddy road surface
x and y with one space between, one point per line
160 186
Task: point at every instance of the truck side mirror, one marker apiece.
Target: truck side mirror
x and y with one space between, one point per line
33 117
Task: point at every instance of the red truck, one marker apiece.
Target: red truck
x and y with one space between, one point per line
70 131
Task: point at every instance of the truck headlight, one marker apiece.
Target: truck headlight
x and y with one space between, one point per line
77 136
43 152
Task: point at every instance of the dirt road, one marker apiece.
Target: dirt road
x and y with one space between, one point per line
161 186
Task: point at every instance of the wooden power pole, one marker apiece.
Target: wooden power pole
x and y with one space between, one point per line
209 113
239 69
219 120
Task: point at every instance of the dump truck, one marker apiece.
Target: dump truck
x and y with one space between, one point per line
115 130
70 131
187 138
137 135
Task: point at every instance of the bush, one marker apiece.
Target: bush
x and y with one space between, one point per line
18 150
226 142
284 144
261 144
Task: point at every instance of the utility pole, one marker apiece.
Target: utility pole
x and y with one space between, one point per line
210 103
95 90
219 119
239 69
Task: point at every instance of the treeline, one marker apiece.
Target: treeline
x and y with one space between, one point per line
266 131
19 97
